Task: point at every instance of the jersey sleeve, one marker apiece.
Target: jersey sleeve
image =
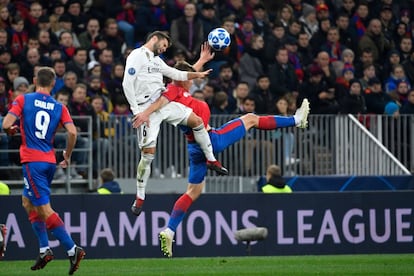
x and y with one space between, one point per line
129 80
173 73
65 118
17 106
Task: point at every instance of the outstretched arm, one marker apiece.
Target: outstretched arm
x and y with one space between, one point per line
143 117
205 56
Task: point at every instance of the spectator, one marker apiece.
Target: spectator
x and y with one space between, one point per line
309 21
273 41
374 39
187 32
320 37
4 98
291 45
45 26
209 18
106 60
246 31
368 73
5 19
12 72
282 75
5 58
346 36
400 94
261 23
332 46
397 75
124 13
109 185
95 89
78 64
69 80
66 45
226 84
409 67
387 21
150 17
74 9
393 59
240 93
65 25
87 38
304 50
32 19
342 83
360 20
392 109
347 8
405 48
113 39
58 9
408 107
220 103
252 61
353 102
294 29
59 66
114 85
323 61
18 36
285 16
375 98
263 96
274 181
27 66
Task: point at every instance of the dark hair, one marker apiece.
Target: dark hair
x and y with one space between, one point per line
45 76
249 98
160 35
63 93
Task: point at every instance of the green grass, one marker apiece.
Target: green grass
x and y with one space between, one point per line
275 265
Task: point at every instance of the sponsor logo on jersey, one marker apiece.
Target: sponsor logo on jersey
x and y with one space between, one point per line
131 71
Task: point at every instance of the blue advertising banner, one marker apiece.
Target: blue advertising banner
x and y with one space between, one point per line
298 224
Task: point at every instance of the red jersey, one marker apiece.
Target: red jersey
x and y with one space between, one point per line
178 94
40 115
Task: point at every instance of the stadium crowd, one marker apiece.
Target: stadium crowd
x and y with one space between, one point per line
345 56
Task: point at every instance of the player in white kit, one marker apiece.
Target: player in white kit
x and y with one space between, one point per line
143 84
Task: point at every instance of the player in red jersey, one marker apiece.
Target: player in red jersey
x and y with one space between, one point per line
221 138
40 115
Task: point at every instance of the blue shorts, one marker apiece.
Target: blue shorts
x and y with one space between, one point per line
221 138
37 178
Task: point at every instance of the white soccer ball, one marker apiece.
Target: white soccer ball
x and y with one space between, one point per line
219 39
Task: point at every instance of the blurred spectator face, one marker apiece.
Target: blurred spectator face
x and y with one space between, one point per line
66 26
4 13
106 57
93 27
410 97
95 83
3 38
44 38
282 106
286 14
18 26
369 72
226 74
208 92
119 70
279 32
70 80
366 58
323 59
247 26
402 88
295 28
263 83
21 89
376 87
355 88
303 40
386 15
81 57
398 72
112 30
101 44
406 45
362 11
229 26
401 29
348 75
74 9
348 58
2 87
59 10
33 56
5 58
33 43
55 54
66 39
333 36
190 10
242 90
96 71
394 59
208 13
249 106
375 27
97 104
79 95
342 22
60 68
259 14
282 56
348 5
63 99
325 25
35 10
12 74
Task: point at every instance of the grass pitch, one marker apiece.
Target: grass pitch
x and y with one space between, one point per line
275 265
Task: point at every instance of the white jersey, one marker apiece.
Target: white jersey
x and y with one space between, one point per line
143 77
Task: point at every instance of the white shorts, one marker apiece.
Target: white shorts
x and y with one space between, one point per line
173 113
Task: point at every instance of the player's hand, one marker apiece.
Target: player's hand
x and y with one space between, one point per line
12 130
205 74
140 119
206 54
66 160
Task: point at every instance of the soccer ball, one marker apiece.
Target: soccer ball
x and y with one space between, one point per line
219 39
